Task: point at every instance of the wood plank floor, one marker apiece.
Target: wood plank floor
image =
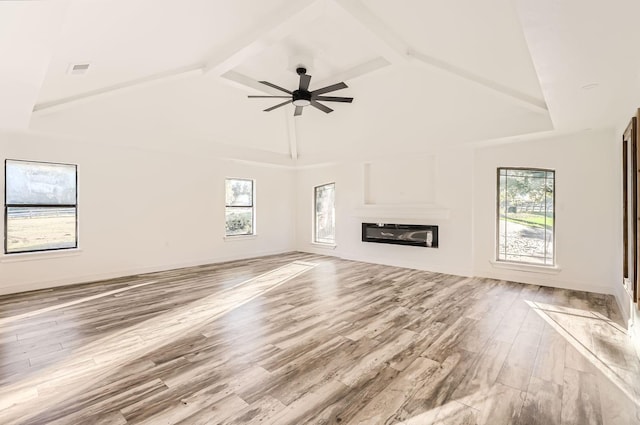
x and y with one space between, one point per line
301 338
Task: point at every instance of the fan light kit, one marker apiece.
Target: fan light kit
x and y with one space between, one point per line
303 97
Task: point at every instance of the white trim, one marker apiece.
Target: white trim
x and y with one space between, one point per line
80 98
314 212
542 280
496 214
88 278
416 265
626 284
324 245
40 255
231 238
624 303
532 268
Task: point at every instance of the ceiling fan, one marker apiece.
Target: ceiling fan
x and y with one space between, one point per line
303 97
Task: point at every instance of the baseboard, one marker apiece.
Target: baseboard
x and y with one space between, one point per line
94 277
542 280
536 279
436 268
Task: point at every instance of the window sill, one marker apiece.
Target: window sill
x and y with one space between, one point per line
239 238
324 245
45 255
526 267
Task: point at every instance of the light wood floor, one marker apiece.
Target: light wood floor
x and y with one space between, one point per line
300 338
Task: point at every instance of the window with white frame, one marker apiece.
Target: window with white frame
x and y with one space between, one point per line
526 216
324 230
239 207
40 206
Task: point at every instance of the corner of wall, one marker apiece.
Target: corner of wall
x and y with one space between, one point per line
624 304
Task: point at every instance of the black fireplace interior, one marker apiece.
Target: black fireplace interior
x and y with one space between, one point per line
401 234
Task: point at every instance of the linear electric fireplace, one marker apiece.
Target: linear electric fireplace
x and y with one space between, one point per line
401 234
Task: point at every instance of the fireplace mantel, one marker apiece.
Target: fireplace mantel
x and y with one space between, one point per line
402 211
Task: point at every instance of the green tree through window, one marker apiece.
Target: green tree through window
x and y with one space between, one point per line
526 216
324 214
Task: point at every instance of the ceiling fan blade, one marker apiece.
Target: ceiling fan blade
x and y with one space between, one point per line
277 106
304 81
265 97
298 111
266 83
321 106
332 87
334 99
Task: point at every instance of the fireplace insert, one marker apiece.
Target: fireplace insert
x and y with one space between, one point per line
401 234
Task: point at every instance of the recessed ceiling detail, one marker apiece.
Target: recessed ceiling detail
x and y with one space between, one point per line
427 74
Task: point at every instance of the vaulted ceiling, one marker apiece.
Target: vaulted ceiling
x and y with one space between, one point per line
424 73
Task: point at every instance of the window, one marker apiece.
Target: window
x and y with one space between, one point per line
239 213
526 216
40 206
324 214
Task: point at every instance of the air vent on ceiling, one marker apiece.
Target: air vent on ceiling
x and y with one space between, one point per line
78 68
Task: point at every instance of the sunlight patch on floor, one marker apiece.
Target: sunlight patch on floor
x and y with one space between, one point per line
56 383
5 320
581 329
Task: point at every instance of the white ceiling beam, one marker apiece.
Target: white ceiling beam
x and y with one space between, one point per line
394 49
241 81
385 41
515 96
162 77
354 72
29 33
293 16
296 16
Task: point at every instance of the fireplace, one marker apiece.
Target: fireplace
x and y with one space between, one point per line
401 234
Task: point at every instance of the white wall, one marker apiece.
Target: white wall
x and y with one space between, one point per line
588 213
143 210
451 211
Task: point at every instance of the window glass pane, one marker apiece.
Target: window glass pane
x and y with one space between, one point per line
526 216
239 193
325 225
239 221
40 228
40 183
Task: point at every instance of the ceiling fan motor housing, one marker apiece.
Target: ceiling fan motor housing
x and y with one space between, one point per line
301 97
